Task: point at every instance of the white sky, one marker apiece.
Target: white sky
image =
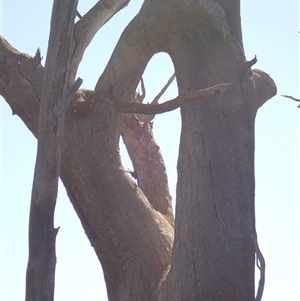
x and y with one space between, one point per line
270 30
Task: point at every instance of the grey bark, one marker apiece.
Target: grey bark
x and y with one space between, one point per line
40 276
214 236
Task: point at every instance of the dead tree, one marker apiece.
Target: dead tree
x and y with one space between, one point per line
208 251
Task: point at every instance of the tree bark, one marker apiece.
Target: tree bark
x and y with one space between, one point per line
55 98
214 244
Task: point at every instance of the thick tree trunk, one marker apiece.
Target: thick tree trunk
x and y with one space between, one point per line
131 226
213 251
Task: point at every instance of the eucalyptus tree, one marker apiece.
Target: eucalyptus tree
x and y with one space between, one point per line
208 250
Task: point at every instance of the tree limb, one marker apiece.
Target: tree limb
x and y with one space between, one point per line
152 109
293 98
148 163
163 90
40 273
20 84
99 202
89 24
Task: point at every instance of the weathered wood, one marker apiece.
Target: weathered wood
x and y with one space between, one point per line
170 105
148 164
215 204
55 95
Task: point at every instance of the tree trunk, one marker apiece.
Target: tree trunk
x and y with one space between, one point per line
131 226
55 98
213 251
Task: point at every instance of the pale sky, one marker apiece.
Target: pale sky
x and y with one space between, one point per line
270 31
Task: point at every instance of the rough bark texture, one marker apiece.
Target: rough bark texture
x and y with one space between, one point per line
130 225
40 276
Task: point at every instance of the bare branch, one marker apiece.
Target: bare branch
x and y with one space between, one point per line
140 97
163 90
88 25
148 163
249 64
167 106
78 15
291 97
22 88
56 81
158 96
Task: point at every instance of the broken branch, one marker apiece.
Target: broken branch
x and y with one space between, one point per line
249 64
151 109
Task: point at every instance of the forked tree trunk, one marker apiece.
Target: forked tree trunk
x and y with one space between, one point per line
214 239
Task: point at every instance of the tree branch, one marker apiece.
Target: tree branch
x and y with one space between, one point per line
55 96
152 109
148 163
102 193
163 90
293 98
20 84
87 26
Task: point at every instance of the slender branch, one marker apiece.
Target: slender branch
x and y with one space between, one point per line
249 64
260 262
163 90
293 98
140 97
158 96
167 106
88 25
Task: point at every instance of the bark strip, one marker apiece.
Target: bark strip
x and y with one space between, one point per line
42 234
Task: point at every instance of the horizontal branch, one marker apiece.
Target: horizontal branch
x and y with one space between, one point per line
150 109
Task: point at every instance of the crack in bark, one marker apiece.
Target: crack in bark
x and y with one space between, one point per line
209 164
28 79
196 277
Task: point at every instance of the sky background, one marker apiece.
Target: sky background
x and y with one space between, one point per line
270 31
